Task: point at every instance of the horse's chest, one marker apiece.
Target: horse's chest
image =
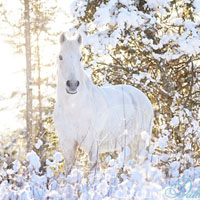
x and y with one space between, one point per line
74 120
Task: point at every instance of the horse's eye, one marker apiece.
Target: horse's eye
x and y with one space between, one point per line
80 58
60 57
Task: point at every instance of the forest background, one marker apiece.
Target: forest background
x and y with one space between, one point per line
152 45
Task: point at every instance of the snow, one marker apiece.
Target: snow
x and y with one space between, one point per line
162 142
34 160
164 157
16 166
190 46
75 176
130 18
136 176
102 16
174 121
157 3
50 173
132 182
196 4
38 144
58 157
188 146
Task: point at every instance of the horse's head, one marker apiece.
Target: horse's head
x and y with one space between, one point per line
69 69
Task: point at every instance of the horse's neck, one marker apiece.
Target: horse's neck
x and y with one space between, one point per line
87 81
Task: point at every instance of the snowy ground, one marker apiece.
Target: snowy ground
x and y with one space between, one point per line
115 181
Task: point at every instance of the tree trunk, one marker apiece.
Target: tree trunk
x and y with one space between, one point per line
28 75
39 90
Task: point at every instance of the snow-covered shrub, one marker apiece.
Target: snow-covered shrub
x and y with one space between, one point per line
114 182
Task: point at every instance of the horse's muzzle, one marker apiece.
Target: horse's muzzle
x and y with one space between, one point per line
71 92
71 86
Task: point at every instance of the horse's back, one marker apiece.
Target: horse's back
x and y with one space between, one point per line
136 96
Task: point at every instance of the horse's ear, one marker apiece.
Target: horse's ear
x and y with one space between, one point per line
79 39
62 38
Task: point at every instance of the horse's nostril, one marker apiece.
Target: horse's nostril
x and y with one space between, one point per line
78 83
68 83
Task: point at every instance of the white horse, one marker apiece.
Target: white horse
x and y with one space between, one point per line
97 119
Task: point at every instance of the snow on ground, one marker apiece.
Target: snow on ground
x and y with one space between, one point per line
114 182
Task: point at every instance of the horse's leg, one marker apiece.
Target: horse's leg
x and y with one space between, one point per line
93 155
70 155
